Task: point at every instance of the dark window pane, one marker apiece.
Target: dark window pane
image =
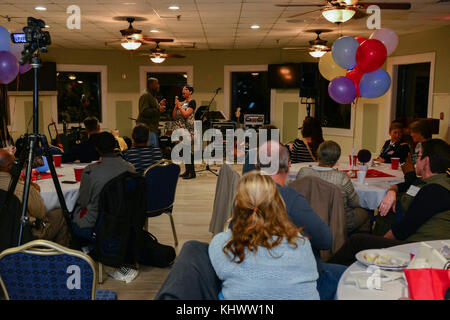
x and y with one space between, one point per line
170 85
412 90
79 96
331 113
251 93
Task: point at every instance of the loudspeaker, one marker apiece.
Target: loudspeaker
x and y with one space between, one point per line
309 80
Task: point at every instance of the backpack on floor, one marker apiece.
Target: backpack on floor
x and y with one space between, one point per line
152 253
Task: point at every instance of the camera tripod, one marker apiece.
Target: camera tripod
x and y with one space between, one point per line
32 143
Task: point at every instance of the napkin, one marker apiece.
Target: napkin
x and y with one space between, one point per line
427 257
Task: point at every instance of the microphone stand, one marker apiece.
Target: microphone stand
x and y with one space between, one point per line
206 115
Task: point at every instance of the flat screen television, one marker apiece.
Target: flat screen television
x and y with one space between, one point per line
46 79
284 76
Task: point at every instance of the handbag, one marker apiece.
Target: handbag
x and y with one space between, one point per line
153 253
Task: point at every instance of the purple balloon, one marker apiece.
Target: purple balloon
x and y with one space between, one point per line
342 90
25 68
9 67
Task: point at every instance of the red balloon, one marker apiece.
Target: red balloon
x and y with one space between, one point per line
355 75
371 55
361 39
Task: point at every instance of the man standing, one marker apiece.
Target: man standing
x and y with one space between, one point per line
150 110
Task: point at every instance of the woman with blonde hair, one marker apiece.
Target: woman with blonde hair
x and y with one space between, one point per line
264 255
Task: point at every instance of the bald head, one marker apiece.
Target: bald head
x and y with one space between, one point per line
6 160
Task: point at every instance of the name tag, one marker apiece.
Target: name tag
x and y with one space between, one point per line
412 191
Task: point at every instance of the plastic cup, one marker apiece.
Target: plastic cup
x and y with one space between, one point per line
355 158
394 163
361 176
78 171
57 160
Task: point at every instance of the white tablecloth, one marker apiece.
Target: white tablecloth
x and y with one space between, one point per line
70 191
392 290
372 191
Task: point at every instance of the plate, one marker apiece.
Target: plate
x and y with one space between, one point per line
384 258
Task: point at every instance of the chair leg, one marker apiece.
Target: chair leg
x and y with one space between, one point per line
173 230
100 273
146 224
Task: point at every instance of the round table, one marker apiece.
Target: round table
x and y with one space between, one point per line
372 191
70 191
392 290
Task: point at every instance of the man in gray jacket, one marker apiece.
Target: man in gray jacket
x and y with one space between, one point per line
93 179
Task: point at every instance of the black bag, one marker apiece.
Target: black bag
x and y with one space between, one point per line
152 253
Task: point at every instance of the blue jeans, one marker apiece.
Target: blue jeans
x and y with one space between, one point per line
153 139
328 280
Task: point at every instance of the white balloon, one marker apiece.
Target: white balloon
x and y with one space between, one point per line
388 37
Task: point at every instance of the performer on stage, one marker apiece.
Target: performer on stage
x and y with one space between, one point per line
183 114
150 110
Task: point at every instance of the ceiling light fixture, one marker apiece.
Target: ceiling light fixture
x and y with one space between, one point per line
72 77
157 59
338 14
40 8
154 30
255 26
317 53
174 7
131 45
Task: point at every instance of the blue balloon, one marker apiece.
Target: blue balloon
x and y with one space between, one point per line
344 52
4 39
374 84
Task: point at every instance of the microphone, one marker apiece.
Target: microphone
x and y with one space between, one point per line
218 89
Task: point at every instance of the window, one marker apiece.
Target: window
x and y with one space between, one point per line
329 112
170 85
79 96
413 82
81 93
250 93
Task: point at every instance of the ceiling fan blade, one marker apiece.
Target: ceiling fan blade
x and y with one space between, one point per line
156 40
297 5
388 5
171 55
359 14
303 13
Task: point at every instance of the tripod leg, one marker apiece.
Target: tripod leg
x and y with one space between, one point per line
26 189
51 165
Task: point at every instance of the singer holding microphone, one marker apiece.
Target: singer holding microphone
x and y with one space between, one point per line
183 114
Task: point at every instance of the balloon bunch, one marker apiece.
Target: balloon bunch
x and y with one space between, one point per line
354 66
10 54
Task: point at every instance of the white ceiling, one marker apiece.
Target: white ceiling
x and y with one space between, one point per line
210 24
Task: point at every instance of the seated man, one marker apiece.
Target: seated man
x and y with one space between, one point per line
194 265
427 215
85 151
93 179
141 155
50 225
328 154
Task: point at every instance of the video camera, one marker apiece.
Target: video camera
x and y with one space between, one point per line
35 38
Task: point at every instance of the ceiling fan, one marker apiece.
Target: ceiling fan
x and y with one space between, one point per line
339 11
318 46
158 55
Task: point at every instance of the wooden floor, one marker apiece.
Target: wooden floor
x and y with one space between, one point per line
192 213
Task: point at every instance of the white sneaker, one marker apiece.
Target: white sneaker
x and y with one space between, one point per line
123 273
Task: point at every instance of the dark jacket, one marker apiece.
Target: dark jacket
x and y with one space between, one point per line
85 151
396 150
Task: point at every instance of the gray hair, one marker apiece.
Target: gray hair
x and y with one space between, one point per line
283 156
329 153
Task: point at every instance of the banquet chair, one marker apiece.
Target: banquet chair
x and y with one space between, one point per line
44 270
161 180
326 200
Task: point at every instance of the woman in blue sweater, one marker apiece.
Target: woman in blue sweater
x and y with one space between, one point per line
264 255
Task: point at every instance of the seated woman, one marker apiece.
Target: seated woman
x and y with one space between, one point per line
420 132
393 148
305 149
329 153
263 256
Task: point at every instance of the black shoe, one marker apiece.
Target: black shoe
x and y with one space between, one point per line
190 176
184 174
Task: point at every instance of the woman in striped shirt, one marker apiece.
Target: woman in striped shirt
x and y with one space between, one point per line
305 149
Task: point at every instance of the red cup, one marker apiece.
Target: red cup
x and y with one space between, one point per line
57 160
355 158
78 171
394 163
